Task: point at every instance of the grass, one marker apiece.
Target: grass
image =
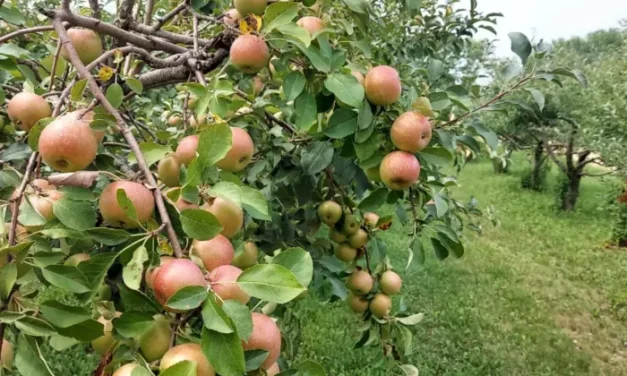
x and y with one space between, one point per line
539 295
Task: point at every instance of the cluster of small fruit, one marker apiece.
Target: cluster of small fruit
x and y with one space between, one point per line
351 237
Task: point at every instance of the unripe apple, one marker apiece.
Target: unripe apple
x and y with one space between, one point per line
192 103
381 305
411 132
265 336
155 341
345 252
232 17
76 259
140 196
311 24
249 53
174 121
359 76
330 212
150 275
231 216
44 204
373 173
213 252
357 303
246 7
104 293
247 258
382 85
222 283
358 239
125 370
6 357
26 109
87 44
350 225
390 283
337 236
371 219
175 275
168 170
195 123
186 150
191 352
360 282
68 144
400 170
104 343
241 152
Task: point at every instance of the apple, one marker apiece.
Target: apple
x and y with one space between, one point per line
400 170
187 352
247 257
175 275
150 275
358 239
411 132
168 170
345 252
246 7
311 24
155 341
76 259
231 216
87 44
382 85
140 196
26 109
222 281
249 53
241 152
390 283
357 303
360 282
265 336
330 212
213 252
68 144
381 305
186 150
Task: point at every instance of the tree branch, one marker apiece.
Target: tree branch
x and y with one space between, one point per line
128 136
150 4
37 29
559 163
17 199
161 21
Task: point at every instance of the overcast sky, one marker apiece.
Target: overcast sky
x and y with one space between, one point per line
552 19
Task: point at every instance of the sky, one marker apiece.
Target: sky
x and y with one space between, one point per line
552 19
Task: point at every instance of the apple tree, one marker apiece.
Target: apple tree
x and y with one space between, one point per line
186 169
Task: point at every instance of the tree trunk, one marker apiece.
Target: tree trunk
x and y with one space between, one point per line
620 227
570 196
536 173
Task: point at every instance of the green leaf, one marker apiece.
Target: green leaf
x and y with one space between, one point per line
293 84
28 358
270 282
229 191
411 320
279 14
108 236
374 200
224 351
28 74
78 89
28 216
437 156
133 323
489 136
184 368
213 144
520 46
137 300
306 110
214 317
409 370
12 50
295 34
435 69
365 116
343 123
66 277
358 6
126 204
84 331
254 359
187 298
299 262
574 74
422 105
77 215
317 157
115 95
240 314
152 152
441 206
346 88
200 224
8 276
12 15
310 368
34 327
135 85
95 269
77 193
61 315
538 97
255 203
134 269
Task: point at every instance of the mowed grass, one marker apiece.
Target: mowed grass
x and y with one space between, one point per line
539 295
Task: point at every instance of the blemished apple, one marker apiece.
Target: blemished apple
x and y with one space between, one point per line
112 212
265 336
246 7
191 352
400 170
87 44
249 53
213 252
390 283
68 144
26 109
186 150
381 305
360 282
330 212
175 275
383 85
231 17
371 219
221 280
241 152
411 132
231 216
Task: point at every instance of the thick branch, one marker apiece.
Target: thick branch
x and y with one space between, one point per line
128 136
16 33
172 37
175 75
559 163
150 4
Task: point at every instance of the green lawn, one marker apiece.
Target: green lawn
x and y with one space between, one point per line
539 295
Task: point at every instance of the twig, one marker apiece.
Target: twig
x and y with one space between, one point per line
117 144
412 200
161 21
16 33
130 139
54 67
285 125
18 198
150 4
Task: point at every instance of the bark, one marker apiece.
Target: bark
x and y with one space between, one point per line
538 162
571 193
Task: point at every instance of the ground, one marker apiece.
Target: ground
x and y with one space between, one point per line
541 294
